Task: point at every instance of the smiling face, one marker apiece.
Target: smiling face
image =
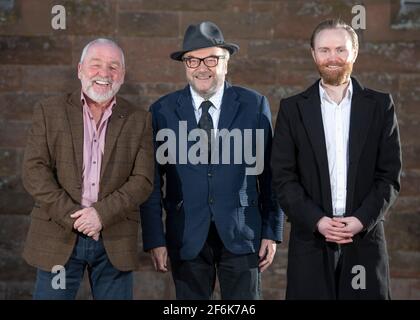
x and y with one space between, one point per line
334 55
207 80
101 72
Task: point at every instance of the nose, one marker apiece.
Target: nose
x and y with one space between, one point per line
332 55
202 67
104 72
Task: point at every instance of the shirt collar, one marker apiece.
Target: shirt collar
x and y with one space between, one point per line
84 103
324 95
215 99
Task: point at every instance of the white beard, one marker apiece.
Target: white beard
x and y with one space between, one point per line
87 86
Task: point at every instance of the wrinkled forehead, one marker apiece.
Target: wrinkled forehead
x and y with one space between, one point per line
333 38
104 51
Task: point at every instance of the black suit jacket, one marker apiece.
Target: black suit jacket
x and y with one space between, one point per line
302 185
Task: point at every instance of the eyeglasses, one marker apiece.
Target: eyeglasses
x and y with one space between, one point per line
211 61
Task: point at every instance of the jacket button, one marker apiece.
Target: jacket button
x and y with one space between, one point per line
211 200
209 174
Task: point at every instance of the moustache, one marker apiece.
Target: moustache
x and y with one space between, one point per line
202 74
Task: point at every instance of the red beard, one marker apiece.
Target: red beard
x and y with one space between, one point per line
335 77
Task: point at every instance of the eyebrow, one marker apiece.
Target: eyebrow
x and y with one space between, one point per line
99 60
116 62
339 47
210 55
94 60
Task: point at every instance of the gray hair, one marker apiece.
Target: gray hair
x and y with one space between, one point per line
227 54
102 41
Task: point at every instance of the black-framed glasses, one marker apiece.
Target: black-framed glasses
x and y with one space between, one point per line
210 61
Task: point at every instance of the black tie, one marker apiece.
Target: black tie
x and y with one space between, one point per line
206 122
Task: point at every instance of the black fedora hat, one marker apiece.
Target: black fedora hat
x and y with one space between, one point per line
203 35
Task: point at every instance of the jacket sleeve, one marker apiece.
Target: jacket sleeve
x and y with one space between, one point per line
272 214
38 174
138 186
298 207
151 211
387 173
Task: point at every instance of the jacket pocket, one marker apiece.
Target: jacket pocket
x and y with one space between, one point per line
173 206
248 200
39 213
248 216
133 216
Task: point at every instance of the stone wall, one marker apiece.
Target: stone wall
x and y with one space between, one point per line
37 61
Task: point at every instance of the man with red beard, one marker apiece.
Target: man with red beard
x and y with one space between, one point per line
88 165
336 165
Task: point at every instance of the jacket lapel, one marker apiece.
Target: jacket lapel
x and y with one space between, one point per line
310 109
185 109
75 116
115 124
362 108
229 107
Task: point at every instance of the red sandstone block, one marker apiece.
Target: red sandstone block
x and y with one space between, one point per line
405 264
13 134
50 80
11 78
403 231
148 24
8 161
34 50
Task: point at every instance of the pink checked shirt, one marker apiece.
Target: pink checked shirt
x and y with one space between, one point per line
93 150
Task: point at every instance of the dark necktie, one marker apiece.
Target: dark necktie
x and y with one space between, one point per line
206 122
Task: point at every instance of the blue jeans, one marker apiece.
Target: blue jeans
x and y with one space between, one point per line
106 282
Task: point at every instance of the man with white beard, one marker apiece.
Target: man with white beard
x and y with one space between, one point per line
88 165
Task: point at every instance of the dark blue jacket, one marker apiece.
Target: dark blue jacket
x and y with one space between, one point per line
242 206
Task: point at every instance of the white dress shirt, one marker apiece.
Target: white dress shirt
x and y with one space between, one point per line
336 121
214 110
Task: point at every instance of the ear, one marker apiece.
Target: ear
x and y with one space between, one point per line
79 70
123 75
355 55
313 54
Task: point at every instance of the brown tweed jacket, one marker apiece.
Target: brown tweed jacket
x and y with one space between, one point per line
52 174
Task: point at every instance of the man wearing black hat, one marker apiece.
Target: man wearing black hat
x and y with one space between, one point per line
221 217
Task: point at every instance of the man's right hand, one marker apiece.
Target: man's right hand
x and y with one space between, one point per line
333 231
160 258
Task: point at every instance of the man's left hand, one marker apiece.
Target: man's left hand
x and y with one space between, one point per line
87 222
353 225
266 254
